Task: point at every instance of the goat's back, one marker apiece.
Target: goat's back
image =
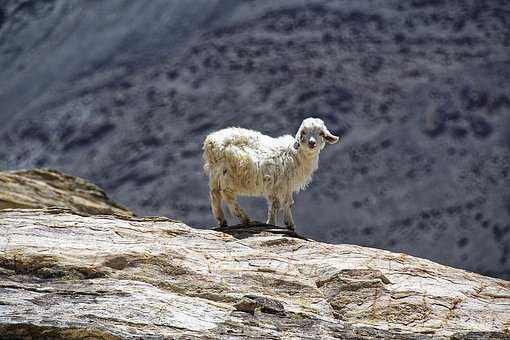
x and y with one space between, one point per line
238 144
232 145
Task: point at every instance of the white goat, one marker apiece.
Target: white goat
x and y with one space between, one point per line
246 162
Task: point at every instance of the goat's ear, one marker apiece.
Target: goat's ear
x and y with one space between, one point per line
296 144
329 137
297 139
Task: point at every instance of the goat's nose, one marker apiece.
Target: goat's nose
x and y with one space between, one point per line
312 143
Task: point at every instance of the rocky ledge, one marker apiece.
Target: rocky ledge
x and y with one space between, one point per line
70 273
42 188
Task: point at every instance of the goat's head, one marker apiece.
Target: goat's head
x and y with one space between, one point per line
313 134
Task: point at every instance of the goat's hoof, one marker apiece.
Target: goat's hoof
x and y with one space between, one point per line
244 220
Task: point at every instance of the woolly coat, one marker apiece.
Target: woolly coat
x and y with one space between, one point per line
249 163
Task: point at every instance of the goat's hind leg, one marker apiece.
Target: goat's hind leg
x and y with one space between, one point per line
215 197
272 210
216 208
235 208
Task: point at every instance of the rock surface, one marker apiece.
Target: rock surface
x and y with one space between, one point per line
64 275
43 188
123 93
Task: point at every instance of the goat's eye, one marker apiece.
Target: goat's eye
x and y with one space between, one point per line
321 134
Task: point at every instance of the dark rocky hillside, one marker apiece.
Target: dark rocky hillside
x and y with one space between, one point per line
123 93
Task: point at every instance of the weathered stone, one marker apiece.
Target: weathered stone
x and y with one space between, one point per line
250 303
27 331
72 276
246 305
43 188
84 267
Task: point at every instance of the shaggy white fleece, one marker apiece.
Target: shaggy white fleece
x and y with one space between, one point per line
246 162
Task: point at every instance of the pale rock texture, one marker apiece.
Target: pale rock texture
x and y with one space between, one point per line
109 277
41 188
69 274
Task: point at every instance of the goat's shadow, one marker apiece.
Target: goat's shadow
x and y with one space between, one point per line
241 231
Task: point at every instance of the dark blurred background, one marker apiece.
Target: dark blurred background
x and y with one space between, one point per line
123 92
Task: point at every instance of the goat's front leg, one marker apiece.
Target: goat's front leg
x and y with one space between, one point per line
288 202
272 210
235 208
